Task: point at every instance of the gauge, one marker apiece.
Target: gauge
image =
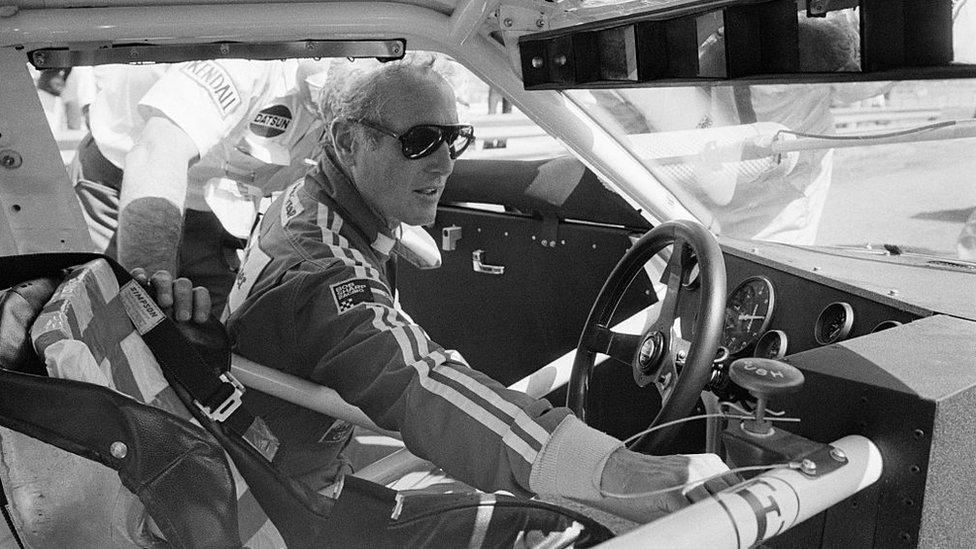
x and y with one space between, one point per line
747 313
772 344
834 323
885 325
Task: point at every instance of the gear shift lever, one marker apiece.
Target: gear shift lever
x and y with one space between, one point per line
764 378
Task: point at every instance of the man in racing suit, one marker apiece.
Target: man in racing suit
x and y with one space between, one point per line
314 299
179 156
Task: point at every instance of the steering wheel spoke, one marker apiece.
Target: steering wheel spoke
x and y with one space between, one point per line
618 346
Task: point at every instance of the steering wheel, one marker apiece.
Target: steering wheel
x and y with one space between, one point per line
677 367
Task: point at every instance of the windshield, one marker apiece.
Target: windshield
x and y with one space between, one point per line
840 164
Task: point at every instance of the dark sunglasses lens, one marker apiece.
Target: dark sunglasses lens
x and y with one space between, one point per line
459 140
419 141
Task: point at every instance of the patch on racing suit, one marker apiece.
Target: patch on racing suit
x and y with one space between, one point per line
350 293
272 121
218 83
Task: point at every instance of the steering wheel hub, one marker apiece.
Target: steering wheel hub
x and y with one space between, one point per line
651 353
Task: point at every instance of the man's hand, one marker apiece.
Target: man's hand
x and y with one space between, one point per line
177 298
634 486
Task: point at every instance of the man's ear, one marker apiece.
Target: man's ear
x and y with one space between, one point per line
344 140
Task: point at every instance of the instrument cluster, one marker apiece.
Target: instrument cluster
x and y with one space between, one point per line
760 322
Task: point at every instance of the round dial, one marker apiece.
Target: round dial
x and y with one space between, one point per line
747 313
772 344
885 325
834 323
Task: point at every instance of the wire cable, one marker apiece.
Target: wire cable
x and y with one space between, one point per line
899 133
702 416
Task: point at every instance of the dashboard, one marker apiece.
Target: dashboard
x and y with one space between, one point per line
886 345
771 312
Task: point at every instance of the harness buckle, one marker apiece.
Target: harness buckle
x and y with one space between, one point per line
229 404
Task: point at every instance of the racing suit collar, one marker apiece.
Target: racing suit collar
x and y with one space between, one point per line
332 185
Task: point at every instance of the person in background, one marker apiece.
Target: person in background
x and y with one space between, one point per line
178 158
773 204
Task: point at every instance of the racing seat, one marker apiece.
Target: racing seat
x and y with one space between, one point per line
127 407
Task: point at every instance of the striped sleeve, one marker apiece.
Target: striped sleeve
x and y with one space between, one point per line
377 359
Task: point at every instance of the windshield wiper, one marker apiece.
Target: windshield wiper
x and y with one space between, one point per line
933 258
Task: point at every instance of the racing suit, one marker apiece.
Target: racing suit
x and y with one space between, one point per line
252 128
313 299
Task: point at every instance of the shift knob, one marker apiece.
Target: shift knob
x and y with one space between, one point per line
763 378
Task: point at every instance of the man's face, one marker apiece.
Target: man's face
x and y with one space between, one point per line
399 188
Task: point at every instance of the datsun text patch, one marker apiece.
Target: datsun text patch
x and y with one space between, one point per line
350 293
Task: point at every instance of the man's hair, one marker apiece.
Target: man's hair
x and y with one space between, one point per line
829 44
362 91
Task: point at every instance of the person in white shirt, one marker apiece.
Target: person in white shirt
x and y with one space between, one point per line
178 158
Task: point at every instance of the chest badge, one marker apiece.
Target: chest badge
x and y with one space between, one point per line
271 121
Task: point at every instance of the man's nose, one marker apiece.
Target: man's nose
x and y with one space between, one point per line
440 161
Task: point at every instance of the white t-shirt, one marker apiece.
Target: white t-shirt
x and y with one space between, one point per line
252 125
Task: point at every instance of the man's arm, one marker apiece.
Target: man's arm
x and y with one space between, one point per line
153 196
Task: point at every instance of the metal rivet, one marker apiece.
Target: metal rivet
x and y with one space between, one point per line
119 450
545 242
10 159
537 62
552 244
560 60
562 242
540 23
914 468
838 455
507 22
918 433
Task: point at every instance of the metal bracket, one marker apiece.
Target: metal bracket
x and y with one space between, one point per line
527 15
63 57
744 448
550 232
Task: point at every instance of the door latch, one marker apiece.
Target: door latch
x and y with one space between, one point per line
480 267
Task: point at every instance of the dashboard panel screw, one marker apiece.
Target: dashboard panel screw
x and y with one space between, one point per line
10 159
838 455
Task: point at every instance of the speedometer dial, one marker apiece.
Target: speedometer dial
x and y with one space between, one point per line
747 313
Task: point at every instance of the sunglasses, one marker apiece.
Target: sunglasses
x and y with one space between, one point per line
423 139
